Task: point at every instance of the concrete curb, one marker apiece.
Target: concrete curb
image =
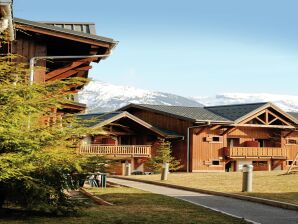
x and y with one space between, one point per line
278 204
94 198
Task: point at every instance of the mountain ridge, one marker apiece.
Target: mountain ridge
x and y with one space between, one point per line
104 97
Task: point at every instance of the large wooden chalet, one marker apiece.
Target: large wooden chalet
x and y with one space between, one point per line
33 39
205 139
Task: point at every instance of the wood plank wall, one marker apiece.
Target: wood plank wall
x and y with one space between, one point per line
292 149
27 47
170 123
203 152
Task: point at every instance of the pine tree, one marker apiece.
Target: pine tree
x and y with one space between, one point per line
38 160
163 155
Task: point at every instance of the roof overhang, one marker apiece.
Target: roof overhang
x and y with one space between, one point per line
125 114
267 105
50 30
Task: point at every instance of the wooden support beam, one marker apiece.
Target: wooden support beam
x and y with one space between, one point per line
228 131
279 118
85 68
265 126
259 119
59 71
63 75
200 131
266 117
273 120
252 117
215 127
290 132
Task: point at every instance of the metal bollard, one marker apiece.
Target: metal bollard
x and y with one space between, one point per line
247 178
103 180
127 169
165 171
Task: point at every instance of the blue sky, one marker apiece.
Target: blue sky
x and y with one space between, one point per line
190 47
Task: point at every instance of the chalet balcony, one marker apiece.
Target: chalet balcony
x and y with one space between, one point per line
116 150
256 152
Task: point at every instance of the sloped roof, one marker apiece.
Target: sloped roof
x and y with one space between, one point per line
190 113
235 111
216 114
93 119
102 119
65 31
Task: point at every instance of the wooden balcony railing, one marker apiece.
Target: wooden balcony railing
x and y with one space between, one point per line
116 150
256 152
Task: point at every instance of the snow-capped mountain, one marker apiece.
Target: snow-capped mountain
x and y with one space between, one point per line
101 97
285 102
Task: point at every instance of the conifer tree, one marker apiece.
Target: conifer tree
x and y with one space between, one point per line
163 155
38 160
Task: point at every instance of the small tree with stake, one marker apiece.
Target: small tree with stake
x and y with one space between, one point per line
163 155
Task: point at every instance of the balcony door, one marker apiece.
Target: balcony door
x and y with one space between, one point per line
233 142
262 142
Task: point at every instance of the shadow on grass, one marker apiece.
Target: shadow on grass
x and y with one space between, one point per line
131 206
15 213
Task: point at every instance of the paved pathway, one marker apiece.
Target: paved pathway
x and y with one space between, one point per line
251 211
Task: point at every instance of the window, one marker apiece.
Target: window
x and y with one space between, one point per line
290 162
291 141
214 139
215 162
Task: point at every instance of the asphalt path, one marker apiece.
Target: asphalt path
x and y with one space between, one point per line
250 211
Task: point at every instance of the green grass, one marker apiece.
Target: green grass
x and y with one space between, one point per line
134 206
271 185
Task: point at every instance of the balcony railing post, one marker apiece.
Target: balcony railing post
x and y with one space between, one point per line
132 150
256 152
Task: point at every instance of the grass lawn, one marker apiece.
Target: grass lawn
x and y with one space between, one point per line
133 206
271 185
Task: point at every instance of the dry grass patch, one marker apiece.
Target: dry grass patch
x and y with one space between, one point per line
271 185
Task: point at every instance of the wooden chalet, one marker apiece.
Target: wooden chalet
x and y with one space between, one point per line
44 39
207 139
123 137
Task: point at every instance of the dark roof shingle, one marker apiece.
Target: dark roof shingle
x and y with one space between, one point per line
191 113
236 111
90 120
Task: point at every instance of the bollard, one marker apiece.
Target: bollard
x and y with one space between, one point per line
103 180
127 169
247 178
164 171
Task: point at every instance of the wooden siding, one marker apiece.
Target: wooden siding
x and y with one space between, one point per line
292 149
28 47
169 123
203 152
